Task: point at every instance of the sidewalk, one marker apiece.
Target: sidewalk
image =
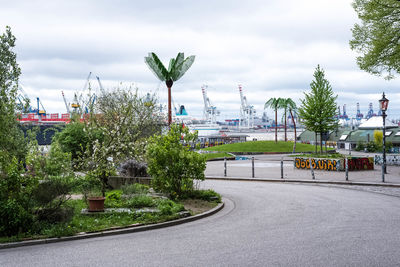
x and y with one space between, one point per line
269 167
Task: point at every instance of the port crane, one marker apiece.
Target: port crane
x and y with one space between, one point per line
210 112
370 112
247 112
359 115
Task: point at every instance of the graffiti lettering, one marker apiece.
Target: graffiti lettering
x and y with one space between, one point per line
318 164
355 164
391 160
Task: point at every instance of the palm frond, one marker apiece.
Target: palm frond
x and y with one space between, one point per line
156 66
180 69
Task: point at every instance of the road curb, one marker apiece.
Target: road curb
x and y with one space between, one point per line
126 230
300 181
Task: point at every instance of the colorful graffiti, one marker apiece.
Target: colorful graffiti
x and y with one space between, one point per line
391 160
317 164
359 164
355 164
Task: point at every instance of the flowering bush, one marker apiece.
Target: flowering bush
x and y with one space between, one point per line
171 162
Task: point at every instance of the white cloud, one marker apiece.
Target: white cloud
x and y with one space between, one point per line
270 47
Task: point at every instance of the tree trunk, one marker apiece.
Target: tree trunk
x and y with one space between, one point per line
276 125
285 127
169 107
295 136
320 143
169 85
316 145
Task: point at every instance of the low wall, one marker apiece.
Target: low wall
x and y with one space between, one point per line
355 164
117 181
391 160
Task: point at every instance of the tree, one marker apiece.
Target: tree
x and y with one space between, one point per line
117 131
177 68
171 162
378 36
275 104
319 109
12 140
288 105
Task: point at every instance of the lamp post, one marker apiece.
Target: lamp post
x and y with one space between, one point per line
383 105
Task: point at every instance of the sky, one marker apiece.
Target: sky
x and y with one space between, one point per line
269 47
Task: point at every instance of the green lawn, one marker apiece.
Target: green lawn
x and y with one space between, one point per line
216 155
263 146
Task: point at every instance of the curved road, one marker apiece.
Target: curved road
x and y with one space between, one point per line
262 224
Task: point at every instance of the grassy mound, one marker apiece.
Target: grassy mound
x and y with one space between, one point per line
263 146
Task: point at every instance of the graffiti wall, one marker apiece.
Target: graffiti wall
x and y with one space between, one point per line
355 164
359 164
317 164
391 160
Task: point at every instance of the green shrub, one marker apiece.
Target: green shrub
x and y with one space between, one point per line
14 217
169 207
373 147
172 164
140 202
135 189
113 199
360 146
207 195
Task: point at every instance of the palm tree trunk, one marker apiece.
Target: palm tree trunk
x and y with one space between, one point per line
285 127
276 125
169 84
169 107
295 136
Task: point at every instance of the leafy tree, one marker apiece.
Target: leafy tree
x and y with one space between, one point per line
177 68
172 164
318 110
125 120
12 139
275 104
378 137
378 36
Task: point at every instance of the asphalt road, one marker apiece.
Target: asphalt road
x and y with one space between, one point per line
262 224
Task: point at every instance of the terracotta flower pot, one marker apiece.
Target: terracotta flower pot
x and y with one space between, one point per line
96 204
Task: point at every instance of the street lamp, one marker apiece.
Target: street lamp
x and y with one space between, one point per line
383 105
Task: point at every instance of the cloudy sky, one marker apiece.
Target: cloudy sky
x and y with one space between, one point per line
269 47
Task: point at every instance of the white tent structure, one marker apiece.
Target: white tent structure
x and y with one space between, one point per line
376 122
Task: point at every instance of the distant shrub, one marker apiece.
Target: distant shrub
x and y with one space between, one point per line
207 195
169 207
133 168
140 202
135 189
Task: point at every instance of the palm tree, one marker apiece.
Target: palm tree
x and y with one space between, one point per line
274 103
176 69
287 104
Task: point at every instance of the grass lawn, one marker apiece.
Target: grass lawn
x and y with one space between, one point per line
263 146
323 156
209 156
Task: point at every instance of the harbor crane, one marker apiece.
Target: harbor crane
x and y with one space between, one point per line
210 112
359 115
247 112
370 113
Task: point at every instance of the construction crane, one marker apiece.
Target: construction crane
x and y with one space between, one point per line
359 115
247 112
210 112
370 113
39 111
65 102
344 116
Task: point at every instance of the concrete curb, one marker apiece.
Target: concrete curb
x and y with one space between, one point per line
126 230
300 181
